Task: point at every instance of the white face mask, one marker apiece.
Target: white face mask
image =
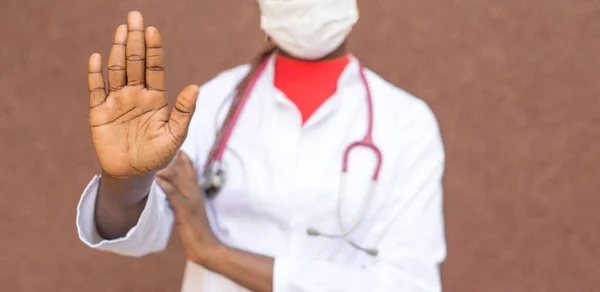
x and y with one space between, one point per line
308 29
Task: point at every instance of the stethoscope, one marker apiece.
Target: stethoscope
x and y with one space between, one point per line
213 178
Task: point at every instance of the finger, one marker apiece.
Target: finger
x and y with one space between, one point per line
184 158
166 186
117 72
167 172
136 49
184 166
155 69
171 188
163 173
181 115
179 158
96 80
187 163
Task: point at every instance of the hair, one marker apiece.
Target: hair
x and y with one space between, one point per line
269 50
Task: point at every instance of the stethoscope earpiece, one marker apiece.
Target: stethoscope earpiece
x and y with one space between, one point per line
313 232
372 252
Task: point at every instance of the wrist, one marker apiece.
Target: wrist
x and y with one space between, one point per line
211 256
127 181
119 204
125 192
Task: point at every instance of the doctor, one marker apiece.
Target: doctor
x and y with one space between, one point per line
303 171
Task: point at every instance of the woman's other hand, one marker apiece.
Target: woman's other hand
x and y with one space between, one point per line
180 183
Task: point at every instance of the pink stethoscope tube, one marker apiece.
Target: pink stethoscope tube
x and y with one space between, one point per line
366 142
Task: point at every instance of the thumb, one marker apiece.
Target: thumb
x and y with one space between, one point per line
185 105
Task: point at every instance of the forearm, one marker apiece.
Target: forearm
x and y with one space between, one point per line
253 271
120 203
257 273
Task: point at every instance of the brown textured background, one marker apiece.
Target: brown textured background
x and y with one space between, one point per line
514 85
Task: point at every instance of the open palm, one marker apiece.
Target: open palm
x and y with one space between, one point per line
133 130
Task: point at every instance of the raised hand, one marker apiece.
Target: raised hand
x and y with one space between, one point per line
133 131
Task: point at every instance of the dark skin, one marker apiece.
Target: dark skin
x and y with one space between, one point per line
121 200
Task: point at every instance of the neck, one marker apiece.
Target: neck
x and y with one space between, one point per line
310 72
341 51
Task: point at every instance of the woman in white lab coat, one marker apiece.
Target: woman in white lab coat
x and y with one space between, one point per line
286 218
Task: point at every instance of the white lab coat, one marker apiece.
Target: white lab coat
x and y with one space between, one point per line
283 178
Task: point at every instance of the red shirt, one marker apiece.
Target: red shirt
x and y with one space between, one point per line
308 84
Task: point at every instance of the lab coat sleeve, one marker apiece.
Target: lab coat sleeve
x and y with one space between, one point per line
412 245
150 234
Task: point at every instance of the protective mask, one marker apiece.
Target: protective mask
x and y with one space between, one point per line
308 29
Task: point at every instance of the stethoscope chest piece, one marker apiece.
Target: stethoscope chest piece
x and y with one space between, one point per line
212 180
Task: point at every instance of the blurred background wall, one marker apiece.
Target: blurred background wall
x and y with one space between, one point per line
515 86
